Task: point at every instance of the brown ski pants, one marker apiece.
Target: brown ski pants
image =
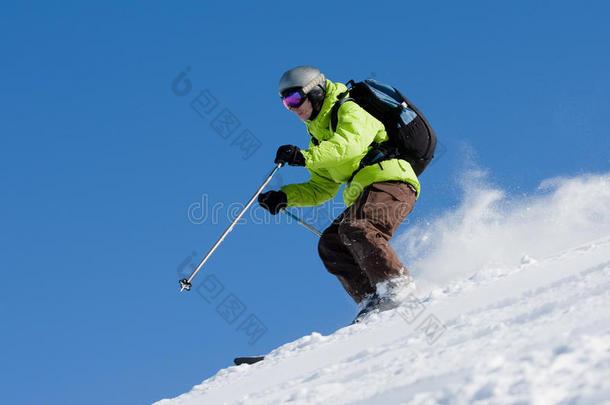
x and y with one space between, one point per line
355 247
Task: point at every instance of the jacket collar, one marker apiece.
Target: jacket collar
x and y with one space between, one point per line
319 127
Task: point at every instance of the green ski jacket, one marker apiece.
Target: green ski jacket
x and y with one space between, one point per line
337 155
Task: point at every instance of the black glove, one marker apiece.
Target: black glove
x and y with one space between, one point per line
290 154
273 201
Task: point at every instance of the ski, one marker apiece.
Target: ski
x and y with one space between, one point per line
248 360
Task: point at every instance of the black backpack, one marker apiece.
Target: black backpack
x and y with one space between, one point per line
412 141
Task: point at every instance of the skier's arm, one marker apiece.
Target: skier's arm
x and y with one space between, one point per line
316 191
356 130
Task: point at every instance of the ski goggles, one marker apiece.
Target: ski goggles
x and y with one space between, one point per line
294 98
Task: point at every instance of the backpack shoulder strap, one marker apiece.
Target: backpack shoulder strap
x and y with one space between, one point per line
334 112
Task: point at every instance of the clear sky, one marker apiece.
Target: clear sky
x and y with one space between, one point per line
102 158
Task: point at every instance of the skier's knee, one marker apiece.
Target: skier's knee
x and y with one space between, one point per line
322 245
326 245
352 231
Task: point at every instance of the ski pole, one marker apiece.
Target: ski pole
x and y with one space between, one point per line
300 221
185 284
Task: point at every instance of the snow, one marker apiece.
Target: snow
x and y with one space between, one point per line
511 307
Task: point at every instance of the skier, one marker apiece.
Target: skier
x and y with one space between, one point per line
355 247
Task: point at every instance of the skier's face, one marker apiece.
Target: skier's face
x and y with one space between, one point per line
303 111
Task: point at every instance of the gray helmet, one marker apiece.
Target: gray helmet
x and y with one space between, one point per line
305 77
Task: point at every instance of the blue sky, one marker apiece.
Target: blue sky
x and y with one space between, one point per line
100 161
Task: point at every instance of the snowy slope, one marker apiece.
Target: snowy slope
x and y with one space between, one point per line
511 307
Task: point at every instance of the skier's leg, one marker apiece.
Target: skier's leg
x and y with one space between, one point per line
339 261
370 223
